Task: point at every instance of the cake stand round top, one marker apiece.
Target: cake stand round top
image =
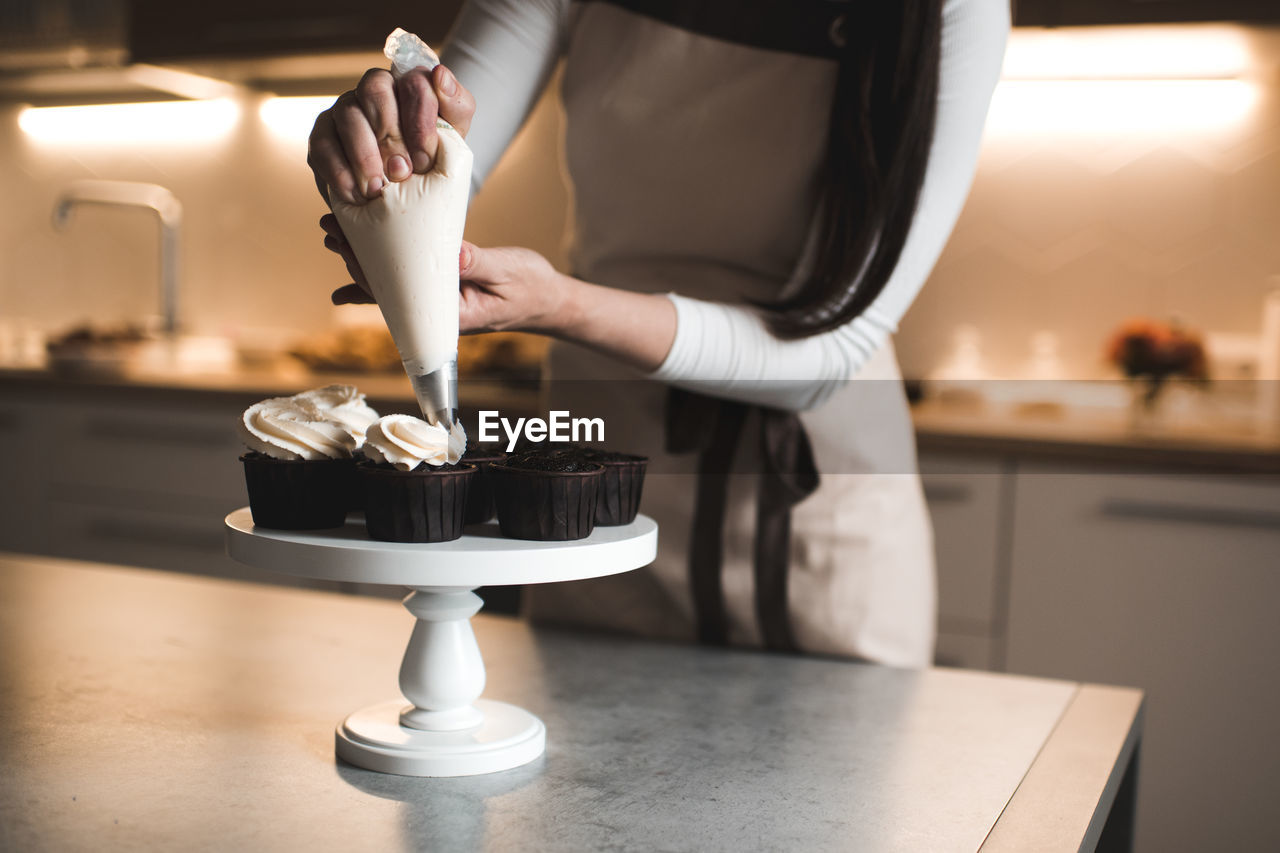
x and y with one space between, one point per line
482 557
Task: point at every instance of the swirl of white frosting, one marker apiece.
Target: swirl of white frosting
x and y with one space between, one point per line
406 442
344 406
287 428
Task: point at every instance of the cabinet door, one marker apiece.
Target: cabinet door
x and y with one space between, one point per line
183 540
1171 584
22 522
967 503
113 454
161 30
1054 13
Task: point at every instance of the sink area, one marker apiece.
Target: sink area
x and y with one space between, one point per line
150 356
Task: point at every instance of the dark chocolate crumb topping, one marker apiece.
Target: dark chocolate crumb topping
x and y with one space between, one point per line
562 463
596 455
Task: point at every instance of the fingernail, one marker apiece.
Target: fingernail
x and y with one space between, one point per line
398 168
421 162
374 187
448 85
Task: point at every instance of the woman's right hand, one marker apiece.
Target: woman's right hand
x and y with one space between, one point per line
384 129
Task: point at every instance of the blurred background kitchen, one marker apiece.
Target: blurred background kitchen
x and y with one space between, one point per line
1088 526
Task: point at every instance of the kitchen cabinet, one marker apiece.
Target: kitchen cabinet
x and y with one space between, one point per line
161 30
145 484
968 498
21 505
1169 583
144 476
37 34
1135 566
1055 13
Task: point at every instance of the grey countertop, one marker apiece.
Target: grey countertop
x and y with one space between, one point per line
151 711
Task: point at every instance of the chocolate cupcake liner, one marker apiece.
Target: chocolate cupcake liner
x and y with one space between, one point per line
480 500
425 505
549 506
297 494
355 498
620 489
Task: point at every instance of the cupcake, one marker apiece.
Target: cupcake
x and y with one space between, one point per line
299 468
620 486
345 406
480 504
414 482
545 497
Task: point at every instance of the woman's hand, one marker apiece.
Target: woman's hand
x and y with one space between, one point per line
514 289
510 289
383 130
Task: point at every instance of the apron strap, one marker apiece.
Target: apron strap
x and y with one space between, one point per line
713 427
788 476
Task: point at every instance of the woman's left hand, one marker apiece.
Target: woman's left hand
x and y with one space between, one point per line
502 289
510 289
515 289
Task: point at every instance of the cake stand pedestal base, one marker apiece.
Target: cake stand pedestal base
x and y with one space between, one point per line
445 728
373 738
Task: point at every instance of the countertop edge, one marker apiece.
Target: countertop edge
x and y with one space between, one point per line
1102 724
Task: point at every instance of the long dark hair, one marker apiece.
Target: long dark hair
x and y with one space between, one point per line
881 130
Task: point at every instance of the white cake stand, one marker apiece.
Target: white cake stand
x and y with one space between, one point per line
446 730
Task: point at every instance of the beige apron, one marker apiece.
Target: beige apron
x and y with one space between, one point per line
688 178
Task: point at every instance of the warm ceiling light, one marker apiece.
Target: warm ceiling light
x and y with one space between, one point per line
1127 53
1092 108
292 118
146 123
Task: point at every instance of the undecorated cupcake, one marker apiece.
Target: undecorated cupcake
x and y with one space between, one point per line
299 469
415 486
547 498
480 504
620 487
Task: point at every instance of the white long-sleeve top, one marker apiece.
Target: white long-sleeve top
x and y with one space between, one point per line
650 213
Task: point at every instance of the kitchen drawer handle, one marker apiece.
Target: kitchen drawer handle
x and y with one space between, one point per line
946 493
150 434
134 532
1215 516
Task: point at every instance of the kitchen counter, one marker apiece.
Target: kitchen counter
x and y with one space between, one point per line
239 386
1077 435
149 711
1096 437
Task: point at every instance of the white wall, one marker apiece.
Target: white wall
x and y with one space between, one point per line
1066 232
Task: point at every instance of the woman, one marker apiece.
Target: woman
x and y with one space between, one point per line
760 190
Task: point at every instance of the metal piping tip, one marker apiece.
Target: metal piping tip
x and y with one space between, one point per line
437 394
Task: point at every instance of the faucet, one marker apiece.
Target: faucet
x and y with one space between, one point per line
135 194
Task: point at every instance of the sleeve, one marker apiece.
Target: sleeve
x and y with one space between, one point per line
728 350
503 51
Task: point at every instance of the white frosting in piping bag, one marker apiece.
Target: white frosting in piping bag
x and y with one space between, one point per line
407 241
406 442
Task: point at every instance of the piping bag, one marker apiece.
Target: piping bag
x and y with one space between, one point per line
407 242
